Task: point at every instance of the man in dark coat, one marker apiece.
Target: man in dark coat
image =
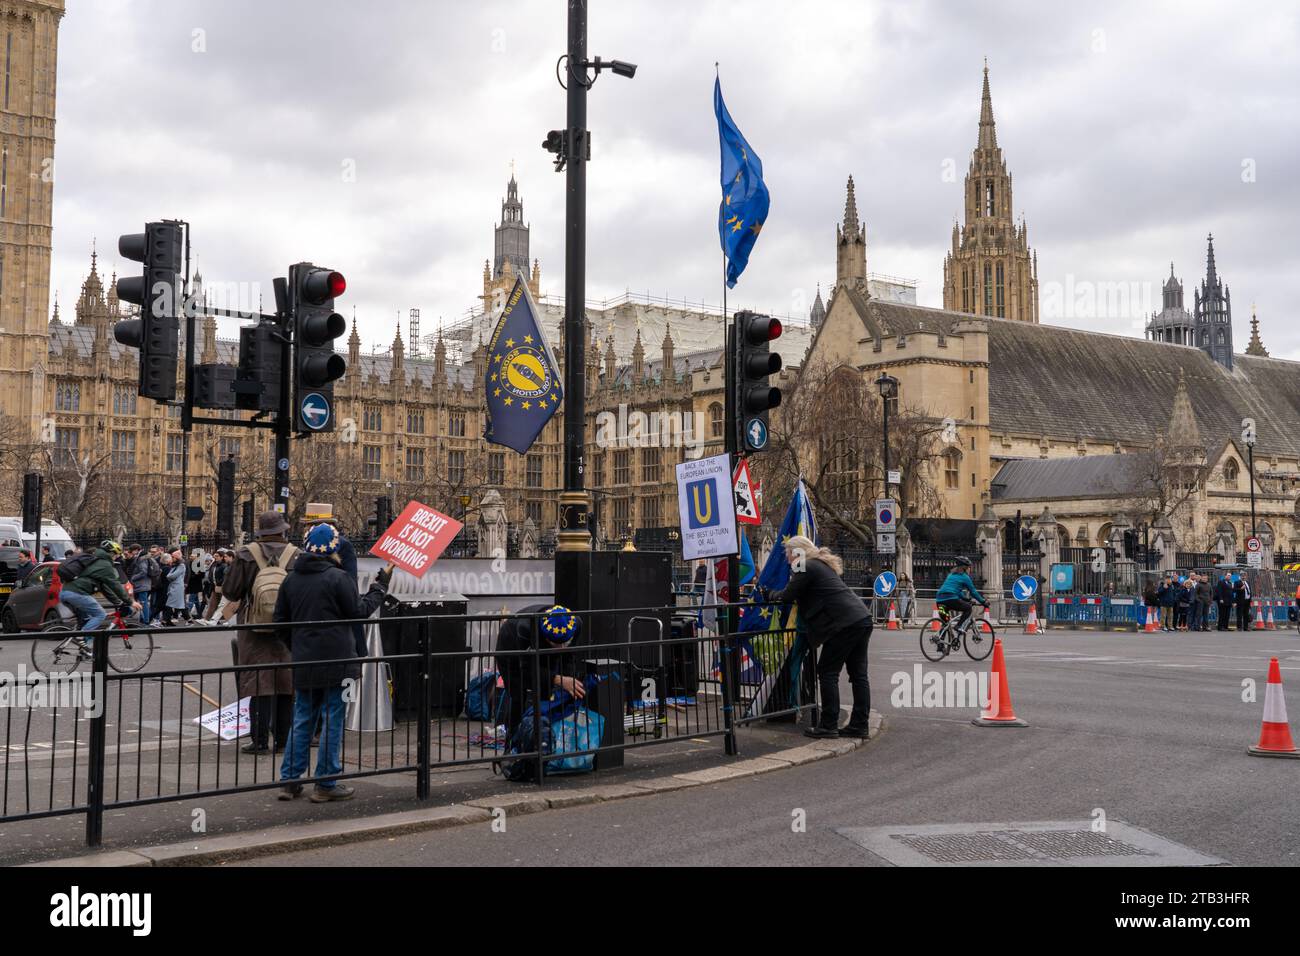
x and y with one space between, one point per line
839 624
560 627
320 591
1223 600
271 709
25 565
1204 595
1241 598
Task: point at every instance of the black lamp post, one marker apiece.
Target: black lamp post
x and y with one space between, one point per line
888 386
1248 436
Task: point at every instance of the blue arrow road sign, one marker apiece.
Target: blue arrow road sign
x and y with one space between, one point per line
315 411
756 431
885 584
1026 587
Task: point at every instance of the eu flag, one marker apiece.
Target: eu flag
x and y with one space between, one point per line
523 390
744 194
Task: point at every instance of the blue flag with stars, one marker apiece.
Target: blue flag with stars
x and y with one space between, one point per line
745 199
523 389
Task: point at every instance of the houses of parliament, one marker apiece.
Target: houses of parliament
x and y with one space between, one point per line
1035 427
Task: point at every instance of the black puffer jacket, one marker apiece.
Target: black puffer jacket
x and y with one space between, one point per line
826 604
318 590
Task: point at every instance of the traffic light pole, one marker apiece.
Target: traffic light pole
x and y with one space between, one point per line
730 655
284 419
187 407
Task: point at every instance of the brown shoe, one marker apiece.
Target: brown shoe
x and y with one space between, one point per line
289 792
339 791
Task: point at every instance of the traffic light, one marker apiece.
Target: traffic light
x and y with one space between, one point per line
754 361
257 383
156 333
214 386
312 291
246 520
383 514
226 500
32 488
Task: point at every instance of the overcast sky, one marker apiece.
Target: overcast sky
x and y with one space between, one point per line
378 137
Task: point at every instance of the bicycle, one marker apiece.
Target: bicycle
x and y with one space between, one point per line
936 645
127 653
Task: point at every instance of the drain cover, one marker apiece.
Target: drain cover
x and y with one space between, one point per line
1059 843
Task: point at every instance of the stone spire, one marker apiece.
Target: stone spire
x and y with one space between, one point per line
440 357
354 344
669 372
851 244
609 361
818 313
1210 272
1183 431
399 349
988 138
638 358
1256 345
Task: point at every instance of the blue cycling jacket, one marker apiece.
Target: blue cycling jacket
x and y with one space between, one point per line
955 585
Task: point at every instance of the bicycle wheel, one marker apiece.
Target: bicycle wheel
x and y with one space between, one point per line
934 644
56 653
978 642
128 653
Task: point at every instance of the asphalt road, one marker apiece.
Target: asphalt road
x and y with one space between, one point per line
1149 730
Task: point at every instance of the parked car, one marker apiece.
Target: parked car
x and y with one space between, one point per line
8 572
36 603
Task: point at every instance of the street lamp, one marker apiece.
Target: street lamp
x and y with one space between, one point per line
888 386
1248 437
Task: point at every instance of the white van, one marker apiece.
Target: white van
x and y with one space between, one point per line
52 534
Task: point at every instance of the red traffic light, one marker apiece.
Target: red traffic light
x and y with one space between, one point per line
320 285
761 328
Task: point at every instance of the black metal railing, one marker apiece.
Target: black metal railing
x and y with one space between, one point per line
112 740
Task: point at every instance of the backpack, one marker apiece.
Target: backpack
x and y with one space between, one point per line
486 698
70 569
523 740
266 585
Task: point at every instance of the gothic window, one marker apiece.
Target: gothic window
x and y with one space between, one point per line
496 468
372 419
124 451
372 463
649 465
622 467
1231 474
951 469
4 179
415 421
988 288
716 415
456 424
124 401
988 198
456 467
596 473
622 516
67 397
651 515
1002 311
175 452
1220 338
533 511
228 448
415 464
66 442
9 49
533 471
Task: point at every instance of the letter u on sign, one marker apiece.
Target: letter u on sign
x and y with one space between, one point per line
702 496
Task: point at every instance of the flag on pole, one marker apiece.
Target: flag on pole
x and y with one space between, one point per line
745 198
522 388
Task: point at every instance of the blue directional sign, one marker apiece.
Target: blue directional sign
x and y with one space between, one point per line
315 411
757 433
1025 587
885 584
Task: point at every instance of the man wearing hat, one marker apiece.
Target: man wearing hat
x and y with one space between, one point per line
559 627
271 707
321 595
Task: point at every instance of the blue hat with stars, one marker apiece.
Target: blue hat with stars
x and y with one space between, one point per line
321 539
560 625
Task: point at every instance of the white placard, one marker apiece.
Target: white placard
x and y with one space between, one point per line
232 720
707 508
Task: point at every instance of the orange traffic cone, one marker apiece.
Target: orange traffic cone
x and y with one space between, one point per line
1259 616
1152 623
999 712
893 617
934 619
1269 623
1275 733
988 625
1031 625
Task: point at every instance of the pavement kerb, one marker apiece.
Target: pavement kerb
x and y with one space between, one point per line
286 839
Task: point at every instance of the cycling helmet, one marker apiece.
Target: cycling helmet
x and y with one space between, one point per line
962 561
112 547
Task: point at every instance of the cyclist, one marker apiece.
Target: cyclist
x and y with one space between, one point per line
98 574
952 594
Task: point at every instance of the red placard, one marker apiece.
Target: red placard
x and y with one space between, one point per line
414 541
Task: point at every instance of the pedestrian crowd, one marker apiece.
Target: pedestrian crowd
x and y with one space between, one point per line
1182 603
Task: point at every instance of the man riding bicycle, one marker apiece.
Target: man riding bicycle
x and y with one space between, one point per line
99 575
951 596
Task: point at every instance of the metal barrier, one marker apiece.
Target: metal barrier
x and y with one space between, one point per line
120 740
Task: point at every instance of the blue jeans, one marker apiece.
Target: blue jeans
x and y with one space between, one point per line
89 612
307 707
143 598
